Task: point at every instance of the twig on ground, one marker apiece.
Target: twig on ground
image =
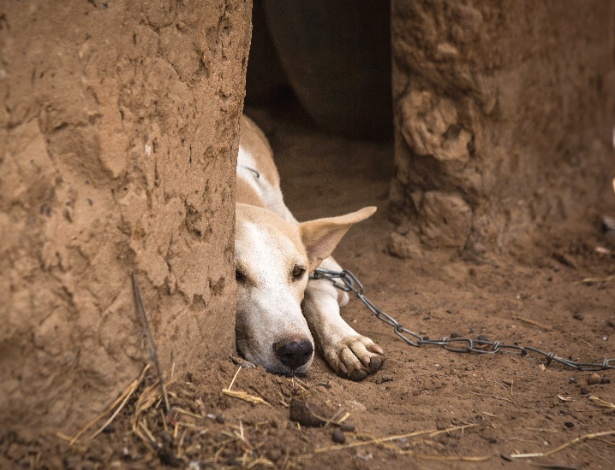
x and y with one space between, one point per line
136 384
448 458
123 398
597 280
150 339
233 380
431 432
585 437
188 413
493 396
242 395
602 403
533 322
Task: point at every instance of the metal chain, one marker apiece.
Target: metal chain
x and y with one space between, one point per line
350 283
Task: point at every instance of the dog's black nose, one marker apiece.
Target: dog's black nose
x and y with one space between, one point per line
293 353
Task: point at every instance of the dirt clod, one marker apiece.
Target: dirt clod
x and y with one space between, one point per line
167 457
338 436
305 414
594 379
346 427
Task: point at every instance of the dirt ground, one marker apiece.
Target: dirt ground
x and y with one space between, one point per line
450 410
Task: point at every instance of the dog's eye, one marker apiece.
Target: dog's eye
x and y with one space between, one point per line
298 272
239 276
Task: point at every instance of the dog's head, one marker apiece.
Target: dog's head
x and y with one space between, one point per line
273 259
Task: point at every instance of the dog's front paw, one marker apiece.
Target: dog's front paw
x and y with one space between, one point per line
355 357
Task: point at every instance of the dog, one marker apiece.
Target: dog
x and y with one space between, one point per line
282 314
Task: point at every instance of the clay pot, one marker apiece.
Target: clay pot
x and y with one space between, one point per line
336 57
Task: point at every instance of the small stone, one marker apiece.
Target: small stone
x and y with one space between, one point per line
578 316
455 334
109 428
220 419
338 437
572 380
347 427
569 424
482 338
384 379
605 380
167 457
593 379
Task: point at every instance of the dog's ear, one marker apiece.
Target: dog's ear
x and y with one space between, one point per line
321 236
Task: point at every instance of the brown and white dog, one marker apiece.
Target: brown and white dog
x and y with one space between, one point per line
281 314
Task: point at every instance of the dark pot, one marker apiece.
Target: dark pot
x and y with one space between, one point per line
336 55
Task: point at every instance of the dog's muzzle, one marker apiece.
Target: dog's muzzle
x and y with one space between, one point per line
294 353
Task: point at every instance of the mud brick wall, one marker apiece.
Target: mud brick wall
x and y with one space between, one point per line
118 138
503 116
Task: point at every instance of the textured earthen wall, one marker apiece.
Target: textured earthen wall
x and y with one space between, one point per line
503 115
118 136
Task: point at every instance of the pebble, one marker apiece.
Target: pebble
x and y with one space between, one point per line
605 380
578 316
338 436
569 424
594 379
109 428
455 334
347 427
384 379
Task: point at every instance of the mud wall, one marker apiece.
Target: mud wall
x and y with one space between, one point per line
118 136
503 116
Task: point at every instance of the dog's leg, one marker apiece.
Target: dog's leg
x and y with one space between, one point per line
350 354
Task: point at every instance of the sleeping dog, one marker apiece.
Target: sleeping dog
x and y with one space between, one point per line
281 313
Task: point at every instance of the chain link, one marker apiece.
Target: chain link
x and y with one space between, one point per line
348 282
